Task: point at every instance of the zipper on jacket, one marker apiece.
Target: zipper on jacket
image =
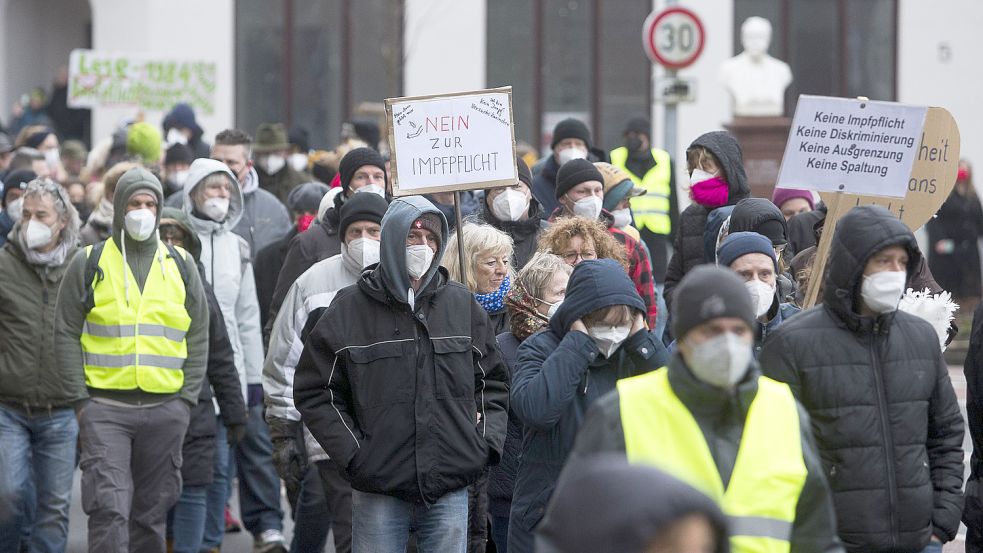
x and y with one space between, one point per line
886 431
416 342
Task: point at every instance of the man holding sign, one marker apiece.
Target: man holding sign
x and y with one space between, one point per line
409 396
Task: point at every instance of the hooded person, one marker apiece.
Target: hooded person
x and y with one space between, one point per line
307 298
604 505
36 416
596 337
362 170
710 419
201 461
515 211
715 164
213 202
141 391
410 397
752 257
181 127
100 224
884 413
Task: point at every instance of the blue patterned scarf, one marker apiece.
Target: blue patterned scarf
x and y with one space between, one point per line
494 302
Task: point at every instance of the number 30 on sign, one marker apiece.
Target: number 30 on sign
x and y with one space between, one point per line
673 38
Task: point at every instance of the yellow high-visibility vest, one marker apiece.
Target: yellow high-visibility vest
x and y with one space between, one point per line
768 476
140 342
650 211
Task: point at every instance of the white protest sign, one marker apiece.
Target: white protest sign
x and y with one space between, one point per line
139 80
448 142
852 145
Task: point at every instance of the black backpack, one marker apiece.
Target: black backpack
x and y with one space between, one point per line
94 274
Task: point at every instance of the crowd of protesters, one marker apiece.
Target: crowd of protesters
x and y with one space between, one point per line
184 312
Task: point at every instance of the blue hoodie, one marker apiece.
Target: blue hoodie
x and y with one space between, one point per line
558 375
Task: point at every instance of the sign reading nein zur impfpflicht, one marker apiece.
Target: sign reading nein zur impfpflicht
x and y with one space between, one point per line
854 146
449 142
144 81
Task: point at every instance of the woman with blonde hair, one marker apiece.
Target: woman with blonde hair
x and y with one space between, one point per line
488 254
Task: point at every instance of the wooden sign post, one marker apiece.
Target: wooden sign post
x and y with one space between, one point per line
933 176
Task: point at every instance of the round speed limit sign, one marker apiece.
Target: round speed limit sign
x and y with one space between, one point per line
673 38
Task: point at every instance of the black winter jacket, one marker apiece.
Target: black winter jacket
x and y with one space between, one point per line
305 249
410 403
501 478
883 410
688 245
266 270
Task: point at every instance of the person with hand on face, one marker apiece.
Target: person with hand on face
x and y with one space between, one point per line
37 422
717 178
272 150
793 201
362 171
536 296
873 378
712 420
580 192
202 451
293 446
514 211
214 203
596 337
391 395
752 257
141 389
571 140
263 219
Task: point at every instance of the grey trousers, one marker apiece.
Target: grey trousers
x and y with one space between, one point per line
131 473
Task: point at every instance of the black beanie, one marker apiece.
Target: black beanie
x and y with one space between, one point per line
575 172
359 157
524 174
570 128
361 207
761 216
708 292
178 153
17 181
639 125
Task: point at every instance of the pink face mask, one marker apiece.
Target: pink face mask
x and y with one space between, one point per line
708 190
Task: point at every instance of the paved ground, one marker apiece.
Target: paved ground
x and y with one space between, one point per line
242 542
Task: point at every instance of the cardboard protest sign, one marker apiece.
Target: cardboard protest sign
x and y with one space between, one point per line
852 146
139 80
932 178
449 142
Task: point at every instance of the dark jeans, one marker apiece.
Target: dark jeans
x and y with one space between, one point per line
218 492
187 519
131 472
312 521
338 494
259 484
37 462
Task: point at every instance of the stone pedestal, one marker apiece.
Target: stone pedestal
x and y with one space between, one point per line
763 141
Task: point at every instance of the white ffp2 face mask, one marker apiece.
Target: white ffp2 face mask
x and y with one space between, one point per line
272 163
364 251
215 209
588 208
622 217
510 205
298 162
882 291
418 260
37 234
568 154
140 224
721 361
372 189
762 296
609 338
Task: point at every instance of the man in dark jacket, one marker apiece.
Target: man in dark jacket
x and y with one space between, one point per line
514 211
755 436
571 140
38 428
402 384
276 176
688 246
973 367
596 337
877 389
362 170
187 518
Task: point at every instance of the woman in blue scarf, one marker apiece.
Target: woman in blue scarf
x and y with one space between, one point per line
488 253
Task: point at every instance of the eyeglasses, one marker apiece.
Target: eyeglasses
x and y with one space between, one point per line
573 257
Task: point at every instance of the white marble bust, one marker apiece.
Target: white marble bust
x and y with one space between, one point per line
755 80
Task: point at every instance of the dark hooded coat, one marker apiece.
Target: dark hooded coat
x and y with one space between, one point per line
688 244
883 410
558 375
392 391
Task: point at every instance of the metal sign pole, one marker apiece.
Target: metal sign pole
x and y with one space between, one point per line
460 237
